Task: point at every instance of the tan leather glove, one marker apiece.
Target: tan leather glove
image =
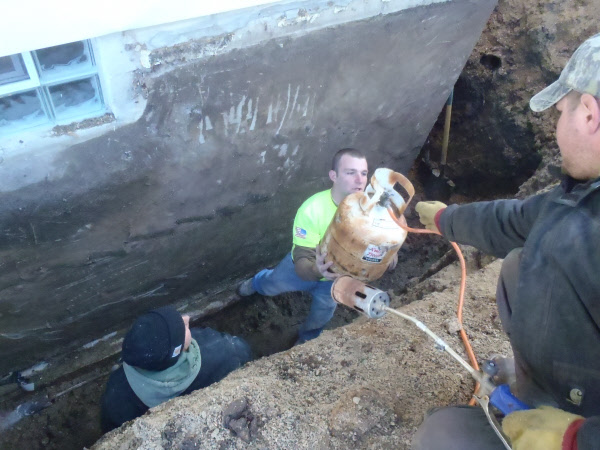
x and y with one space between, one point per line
542 428
427 212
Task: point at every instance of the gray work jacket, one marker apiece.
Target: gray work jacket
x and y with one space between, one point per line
555 318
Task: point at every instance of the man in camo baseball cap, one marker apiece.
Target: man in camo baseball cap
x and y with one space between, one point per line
581 74
551 239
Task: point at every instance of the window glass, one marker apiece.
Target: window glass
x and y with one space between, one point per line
49 86
12 69
75 98
23 110
63 59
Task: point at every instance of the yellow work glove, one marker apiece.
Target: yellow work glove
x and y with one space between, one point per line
542 428
427 212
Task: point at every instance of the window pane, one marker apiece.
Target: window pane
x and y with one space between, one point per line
12 69
21 110
63 59
76 98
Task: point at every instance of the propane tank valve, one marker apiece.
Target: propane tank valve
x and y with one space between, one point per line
357 295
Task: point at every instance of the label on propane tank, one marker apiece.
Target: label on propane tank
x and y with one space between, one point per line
373 254
384 223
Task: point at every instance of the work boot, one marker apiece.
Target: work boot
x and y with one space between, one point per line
246 288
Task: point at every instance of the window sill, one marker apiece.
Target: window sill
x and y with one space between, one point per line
60 130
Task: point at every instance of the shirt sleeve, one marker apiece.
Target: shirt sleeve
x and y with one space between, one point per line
305 263
495 227
305 230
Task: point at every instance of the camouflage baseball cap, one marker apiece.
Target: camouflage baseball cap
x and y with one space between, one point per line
581 74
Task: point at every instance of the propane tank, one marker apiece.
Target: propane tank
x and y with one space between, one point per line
362 239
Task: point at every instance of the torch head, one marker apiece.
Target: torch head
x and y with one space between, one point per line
360 296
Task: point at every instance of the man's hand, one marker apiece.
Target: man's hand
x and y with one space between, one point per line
393 263
323 266
427 212
542 428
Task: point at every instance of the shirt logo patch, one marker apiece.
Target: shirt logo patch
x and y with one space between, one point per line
301 233
176 351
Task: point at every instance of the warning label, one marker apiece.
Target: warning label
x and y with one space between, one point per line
373 254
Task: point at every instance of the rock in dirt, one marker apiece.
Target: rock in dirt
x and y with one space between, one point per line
238 418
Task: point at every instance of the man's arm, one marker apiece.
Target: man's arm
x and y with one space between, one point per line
310 264
119 404
305 263
310 223
495 227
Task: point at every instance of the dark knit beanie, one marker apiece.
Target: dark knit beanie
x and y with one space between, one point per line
155 340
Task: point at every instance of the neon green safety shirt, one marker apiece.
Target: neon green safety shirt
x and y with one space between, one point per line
312 219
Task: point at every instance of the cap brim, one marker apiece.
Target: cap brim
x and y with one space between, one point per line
548 96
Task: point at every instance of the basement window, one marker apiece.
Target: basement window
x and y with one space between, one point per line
54 85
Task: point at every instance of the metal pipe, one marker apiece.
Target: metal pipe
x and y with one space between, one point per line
446 137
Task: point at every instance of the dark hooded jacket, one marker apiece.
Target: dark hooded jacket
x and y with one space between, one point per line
555 322
221 353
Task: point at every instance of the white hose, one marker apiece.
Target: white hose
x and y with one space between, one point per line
439 341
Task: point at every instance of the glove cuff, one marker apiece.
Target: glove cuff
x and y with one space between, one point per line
436 219
569 441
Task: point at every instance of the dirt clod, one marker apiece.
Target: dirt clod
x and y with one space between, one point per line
238 418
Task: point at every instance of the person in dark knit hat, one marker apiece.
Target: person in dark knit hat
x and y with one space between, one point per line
162 359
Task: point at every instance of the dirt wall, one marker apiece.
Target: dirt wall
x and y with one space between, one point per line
497 144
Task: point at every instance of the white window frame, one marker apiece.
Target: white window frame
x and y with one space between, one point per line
34 82
23 85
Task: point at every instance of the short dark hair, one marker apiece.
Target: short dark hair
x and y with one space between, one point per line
355 153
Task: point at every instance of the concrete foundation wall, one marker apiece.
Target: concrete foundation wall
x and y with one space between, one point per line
202 189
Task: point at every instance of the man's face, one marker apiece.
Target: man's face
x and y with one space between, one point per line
350 176
579 159
188 334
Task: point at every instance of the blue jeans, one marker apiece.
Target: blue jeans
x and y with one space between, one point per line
283 278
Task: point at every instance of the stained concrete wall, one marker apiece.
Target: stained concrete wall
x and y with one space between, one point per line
202 189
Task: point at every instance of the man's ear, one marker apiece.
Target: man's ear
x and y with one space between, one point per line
592 112
333 175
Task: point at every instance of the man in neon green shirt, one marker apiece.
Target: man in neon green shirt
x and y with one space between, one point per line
304 268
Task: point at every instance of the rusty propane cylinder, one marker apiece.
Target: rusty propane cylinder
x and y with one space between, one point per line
362 239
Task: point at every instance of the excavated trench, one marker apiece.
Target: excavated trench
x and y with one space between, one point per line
72 421
490 157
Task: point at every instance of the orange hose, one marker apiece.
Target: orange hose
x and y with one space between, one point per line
461 293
